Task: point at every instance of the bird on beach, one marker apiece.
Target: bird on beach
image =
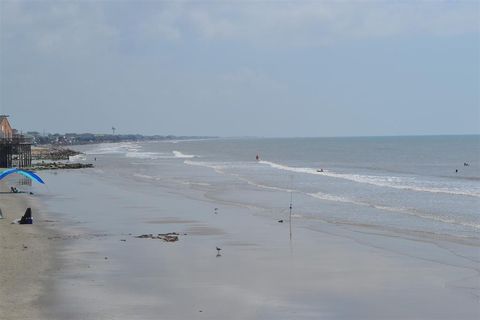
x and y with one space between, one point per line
215 210
218 252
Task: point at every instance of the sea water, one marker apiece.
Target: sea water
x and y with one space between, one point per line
382 222
426 184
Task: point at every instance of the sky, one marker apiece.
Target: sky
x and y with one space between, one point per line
242 68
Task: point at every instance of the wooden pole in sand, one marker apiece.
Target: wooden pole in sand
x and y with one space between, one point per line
291 201
290 220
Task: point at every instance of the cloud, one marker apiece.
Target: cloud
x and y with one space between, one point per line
80 27
54 27
249 78
242 61
161 24
325 22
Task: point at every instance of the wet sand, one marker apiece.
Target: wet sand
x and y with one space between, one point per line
332 271
96 268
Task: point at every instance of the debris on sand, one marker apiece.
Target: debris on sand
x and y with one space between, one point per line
167 237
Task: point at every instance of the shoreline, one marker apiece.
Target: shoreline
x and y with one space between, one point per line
27 258
260 274
91 264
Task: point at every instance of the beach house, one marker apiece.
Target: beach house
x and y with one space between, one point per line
15 149
6 131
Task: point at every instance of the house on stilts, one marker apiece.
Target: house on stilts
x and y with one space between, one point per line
15 149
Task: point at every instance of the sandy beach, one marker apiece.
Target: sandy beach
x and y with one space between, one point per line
25 258
330 271
83 257
240 160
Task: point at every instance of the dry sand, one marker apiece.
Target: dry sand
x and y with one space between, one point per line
25 256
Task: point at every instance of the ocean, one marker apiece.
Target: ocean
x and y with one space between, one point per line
368 215
406 183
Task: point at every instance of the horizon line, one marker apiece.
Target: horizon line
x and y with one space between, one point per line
273 137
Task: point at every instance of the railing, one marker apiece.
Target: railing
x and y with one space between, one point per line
16 139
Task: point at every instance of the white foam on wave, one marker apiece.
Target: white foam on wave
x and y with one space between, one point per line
187 140
220 168
409 211
178 154
144 176
114 148
159 155
334 198
78 158
193 183
263 186
178 181
148 155
403 183
423 215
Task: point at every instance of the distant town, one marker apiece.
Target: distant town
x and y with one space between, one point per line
18 149
66 139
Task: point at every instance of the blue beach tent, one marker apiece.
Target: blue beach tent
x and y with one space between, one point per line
28 174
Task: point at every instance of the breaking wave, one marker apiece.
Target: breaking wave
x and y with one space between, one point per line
158 155
144 176
79 157
145 155
133 150
221 168
409 211
404 183
114 148
178 154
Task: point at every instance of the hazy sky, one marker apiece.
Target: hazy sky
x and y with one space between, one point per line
235 68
